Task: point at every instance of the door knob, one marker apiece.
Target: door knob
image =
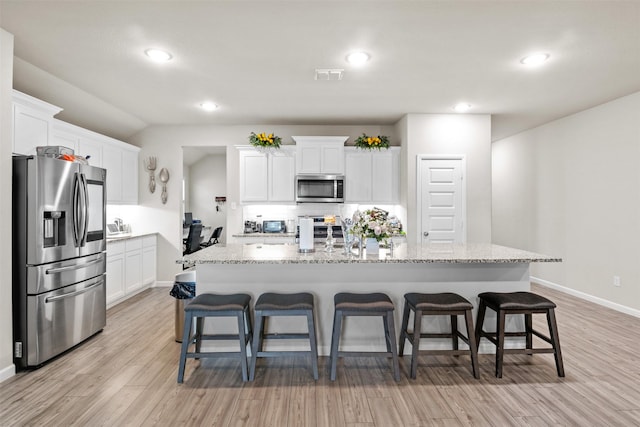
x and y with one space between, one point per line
425 234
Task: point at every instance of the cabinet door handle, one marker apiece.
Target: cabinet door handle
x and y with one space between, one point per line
425 234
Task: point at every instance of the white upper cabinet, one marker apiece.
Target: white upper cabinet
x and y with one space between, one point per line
118 158
267 176
254 166
372 176
282 170
122 174
320 154
32 123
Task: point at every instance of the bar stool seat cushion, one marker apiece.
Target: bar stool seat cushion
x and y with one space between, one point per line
516 301
445 301
363 302
276 301
214 302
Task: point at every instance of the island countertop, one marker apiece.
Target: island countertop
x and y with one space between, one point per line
469 253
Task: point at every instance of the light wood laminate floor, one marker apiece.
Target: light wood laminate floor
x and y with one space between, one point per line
126 375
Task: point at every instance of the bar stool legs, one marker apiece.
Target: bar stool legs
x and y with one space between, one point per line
377 304
525 303
273 304
213 305
440 304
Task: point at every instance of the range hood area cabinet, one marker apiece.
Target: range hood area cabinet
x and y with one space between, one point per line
372 176
320 155
267 176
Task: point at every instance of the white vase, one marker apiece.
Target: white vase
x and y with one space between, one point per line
372 246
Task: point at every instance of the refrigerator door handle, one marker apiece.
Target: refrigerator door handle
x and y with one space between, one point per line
72 294
85 209
76 210
73 267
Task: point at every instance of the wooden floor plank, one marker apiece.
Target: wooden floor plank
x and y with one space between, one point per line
126 376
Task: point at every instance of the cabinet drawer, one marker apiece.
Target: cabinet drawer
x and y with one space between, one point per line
115 248
133 244
148 241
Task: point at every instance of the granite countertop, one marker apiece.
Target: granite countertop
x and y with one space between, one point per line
127 236
402 253
241 235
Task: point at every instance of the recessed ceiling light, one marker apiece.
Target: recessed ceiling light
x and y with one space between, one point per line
208 106
535 59
158 55
358 58
462 107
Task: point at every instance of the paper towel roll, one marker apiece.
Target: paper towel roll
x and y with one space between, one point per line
306 235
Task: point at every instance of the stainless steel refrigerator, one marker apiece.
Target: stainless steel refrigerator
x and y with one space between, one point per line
59 258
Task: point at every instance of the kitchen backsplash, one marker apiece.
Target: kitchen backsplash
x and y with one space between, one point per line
285 212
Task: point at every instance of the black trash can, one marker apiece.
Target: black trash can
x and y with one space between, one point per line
183 290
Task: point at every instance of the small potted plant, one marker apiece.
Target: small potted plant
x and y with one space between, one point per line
372 142
265 140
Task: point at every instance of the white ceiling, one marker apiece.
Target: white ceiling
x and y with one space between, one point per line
256 59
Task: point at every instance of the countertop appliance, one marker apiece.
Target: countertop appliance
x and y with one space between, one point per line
250 227
274 226
59 259
319 188
320 229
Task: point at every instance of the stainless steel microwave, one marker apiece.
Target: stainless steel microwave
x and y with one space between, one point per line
320 188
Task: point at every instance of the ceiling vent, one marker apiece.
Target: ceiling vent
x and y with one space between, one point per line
329 73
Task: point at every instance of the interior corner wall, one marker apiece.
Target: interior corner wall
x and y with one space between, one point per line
444 134
571 188
7 368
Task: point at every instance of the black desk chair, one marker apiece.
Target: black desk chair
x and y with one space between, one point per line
193 239
213 239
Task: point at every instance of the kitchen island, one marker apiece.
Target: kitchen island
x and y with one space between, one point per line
466 269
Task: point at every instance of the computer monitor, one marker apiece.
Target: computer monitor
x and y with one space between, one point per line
188 219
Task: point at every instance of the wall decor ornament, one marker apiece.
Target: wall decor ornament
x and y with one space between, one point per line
164 178
150 164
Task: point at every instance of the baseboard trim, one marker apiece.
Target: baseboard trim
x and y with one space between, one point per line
162 284
597 300
7 372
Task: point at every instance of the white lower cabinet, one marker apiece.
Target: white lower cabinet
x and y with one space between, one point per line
149 260
131 267
115 271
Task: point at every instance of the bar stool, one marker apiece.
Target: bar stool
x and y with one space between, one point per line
441 304
526 303
214 305
274 304
373 304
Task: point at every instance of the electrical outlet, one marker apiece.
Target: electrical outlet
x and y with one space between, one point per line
616 280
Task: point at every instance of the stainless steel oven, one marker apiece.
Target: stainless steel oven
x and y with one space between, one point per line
320 188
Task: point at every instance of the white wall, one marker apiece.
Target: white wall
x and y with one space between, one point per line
465 134
166 142
571 188
6 324
208 179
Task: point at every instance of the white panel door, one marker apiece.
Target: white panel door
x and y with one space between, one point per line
442 200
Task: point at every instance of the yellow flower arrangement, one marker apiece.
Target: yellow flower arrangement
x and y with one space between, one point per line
264 140
371 142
